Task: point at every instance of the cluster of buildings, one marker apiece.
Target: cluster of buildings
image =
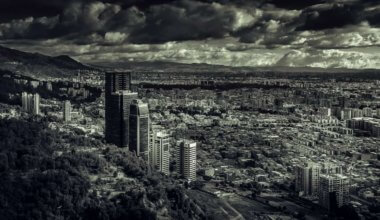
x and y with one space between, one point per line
275 134
35 84
256 136
127 124
30 103
324 181
369 125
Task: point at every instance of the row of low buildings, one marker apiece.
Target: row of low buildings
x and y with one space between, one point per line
371 125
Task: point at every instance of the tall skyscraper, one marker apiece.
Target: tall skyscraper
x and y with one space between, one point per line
117 117
159 151
307 179
139 129
67 111
118 98
334 191
153 130
116 81
187 160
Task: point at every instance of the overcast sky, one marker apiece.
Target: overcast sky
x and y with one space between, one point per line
314 33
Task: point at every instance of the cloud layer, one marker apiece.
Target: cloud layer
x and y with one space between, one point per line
315 33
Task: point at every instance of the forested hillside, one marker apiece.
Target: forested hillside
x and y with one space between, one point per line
46 174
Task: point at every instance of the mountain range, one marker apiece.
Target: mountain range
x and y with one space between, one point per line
38 65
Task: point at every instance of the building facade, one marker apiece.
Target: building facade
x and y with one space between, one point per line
139 129
307 179
30 103
187 160
117 117
334 191
159 152
118 98
67 111
24 101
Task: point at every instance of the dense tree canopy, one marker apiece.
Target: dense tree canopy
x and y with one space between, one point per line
36 182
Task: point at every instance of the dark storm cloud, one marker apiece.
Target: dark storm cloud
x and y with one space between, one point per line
181 20
331 16
265 23
296 4
339 13
335 24
77 19
18 9
189 20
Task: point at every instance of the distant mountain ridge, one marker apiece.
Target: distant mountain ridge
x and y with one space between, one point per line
164 66
39 65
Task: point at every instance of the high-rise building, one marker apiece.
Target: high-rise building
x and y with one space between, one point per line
139 128
117 117
153 130
118 98
36 104
307 179
333 191
187 160
24 101
116 81
30 103
67 111
159 152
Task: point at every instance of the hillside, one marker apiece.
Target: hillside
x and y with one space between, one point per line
47 174
38 65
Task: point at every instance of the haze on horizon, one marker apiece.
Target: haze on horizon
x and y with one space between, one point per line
263 33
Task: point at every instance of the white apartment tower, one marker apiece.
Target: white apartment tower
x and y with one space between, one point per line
67 111
187 160
159 151
24 101
36 104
